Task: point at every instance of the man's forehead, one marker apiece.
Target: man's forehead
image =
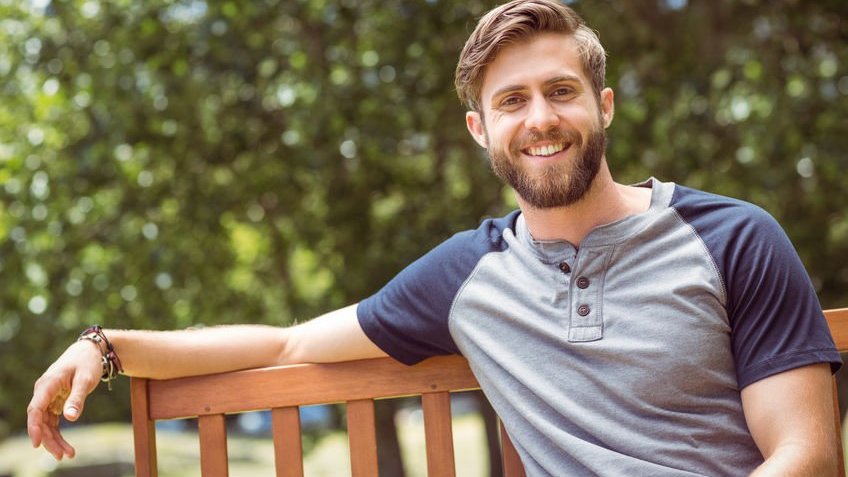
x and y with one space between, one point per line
540 59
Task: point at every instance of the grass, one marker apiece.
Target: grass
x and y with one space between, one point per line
179 453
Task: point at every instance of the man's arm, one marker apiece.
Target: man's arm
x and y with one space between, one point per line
790 416
63 388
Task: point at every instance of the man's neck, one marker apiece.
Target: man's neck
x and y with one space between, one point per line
605 202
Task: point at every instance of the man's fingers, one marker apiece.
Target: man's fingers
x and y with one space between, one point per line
58 443
43 428
44 392
34 422
53 440
52 445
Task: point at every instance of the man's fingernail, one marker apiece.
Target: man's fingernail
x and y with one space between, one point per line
71 412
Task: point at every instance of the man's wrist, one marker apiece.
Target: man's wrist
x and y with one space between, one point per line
109 361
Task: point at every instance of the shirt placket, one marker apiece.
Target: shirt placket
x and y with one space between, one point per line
586 321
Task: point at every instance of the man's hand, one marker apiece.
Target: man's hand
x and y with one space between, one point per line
62 389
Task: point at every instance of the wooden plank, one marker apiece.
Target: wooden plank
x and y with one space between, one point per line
144 430
363 438
306 384
837 320
840 452
213 445
288 449
438 434
512 466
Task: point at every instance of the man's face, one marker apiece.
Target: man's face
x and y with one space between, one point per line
541 122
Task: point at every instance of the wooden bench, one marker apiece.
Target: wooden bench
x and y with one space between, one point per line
356 383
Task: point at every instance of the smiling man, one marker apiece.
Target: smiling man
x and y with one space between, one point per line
617 330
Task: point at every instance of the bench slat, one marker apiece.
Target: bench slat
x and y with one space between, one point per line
837 420
144 430
512 466
438 434
305 384
362 434
288 449
837 320
213 445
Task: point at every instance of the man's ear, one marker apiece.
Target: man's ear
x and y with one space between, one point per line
607 106
474 122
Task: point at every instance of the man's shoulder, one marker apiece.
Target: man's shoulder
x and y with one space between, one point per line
458 255
741 237
707 211
487 237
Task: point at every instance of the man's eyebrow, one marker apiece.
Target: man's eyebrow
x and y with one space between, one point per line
518 87
563 79
508 89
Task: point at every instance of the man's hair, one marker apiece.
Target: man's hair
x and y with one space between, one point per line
517 21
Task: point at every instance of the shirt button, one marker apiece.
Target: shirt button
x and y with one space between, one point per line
583 282
583 310
564 268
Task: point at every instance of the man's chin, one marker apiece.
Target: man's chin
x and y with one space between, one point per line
559 190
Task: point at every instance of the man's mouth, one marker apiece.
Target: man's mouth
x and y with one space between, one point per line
544 151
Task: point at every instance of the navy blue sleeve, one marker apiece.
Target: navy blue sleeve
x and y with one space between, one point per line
408 318
776 320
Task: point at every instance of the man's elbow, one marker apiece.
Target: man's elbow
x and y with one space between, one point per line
802 459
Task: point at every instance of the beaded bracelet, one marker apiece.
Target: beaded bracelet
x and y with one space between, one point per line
109 360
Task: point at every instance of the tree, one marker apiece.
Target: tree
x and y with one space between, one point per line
167 164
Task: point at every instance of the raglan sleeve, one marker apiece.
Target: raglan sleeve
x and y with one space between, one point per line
776 319
408 317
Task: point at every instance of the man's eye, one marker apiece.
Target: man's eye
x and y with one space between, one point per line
562 92
511 101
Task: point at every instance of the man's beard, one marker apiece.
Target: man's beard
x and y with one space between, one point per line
559 185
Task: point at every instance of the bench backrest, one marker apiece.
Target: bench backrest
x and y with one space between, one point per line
355 383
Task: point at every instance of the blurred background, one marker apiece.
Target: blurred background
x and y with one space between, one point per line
166 164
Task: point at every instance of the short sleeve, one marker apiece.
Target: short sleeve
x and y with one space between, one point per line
776 320
408 318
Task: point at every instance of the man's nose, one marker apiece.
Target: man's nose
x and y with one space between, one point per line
541 115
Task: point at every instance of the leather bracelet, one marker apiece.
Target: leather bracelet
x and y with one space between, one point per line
109 361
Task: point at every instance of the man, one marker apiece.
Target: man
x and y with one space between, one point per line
617 330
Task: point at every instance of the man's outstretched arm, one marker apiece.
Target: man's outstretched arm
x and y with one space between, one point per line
63 388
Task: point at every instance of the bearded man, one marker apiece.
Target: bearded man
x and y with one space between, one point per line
617 330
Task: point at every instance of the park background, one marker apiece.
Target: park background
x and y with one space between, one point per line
168 164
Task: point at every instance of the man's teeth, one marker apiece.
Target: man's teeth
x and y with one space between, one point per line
546 150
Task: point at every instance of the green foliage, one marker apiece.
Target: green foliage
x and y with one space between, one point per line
744 98
166 164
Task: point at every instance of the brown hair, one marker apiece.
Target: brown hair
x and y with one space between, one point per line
516 21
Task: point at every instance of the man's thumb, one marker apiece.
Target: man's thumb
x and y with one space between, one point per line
73 408
76 400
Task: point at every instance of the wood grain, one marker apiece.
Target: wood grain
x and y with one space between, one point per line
438 434
362 433
212 430
305 384
288 448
